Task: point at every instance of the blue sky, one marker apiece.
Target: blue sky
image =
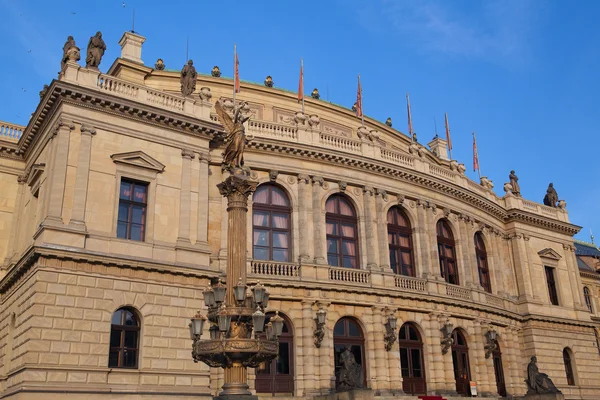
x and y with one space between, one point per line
523 74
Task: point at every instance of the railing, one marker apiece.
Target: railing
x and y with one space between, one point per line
397 157
410 283
548 211
165 99
270 268
348 275
10 131
440 172
476 186
530 205
494 300
264 128
457 291
340 142
114 85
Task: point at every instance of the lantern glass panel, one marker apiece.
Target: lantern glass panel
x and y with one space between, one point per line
321 314
258 319
197 325
191 331
277 322
209 298
239 292
219 290
392 322
214 332
258 292
224 322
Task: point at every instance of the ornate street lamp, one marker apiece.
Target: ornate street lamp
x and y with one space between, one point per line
389 337
319 332
197 325
491 344
447 339
234 314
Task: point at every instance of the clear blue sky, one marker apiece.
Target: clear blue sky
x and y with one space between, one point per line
524 75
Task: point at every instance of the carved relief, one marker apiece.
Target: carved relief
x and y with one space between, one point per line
283 116
332 128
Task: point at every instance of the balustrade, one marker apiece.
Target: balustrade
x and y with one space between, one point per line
276 269
459 292
117 86
271 129
165 99
410 283
397 157
340 142
10 131
349 275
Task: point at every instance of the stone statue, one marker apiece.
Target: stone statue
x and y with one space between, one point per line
70 52
95 51
351 373
188 78
551 197
537 382
233 155
514 182
159 65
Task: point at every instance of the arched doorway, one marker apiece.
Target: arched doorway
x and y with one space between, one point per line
411 360
347 333
460 361
498 370
277 376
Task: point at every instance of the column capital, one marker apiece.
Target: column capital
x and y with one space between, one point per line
204 158
62 124
186 153
303 178
368 190
318 180
87 129
273 174
236 186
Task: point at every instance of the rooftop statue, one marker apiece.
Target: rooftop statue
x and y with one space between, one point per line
551 197
188 78
514 182
351 373
95 51
70 52
537 382
235 136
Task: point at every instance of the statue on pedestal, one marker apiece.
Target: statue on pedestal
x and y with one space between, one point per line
95 51
233 155
551 197
537 382
351 373
188 78
514 182
70 52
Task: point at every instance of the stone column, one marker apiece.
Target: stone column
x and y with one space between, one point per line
203 200
305 218
480 362
319 232
463 249
185 198
422 235
82 176
236 188
574 277
13 239
382 234
509 359
58 173
393 366
325 357
441 380
309 370
381 368
430 231
371 227
521 268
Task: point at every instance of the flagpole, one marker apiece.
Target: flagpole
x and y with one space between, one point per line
448 135
234 67
362 113
410 128
302 70
477 155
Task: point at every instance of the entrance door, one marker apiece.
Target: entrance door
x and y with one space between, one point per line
347 333
460 360
277 376
497 355
411 360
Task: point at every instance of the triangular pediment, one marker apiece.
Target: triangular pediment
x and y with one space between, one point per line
138 159
549 253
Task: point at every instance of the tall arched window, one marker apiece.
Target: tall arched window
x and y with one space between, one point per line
447 252
347 333
482 263
124 339
460 361
271 213
568 366
342 235
277 376
588 298
411 360
400 242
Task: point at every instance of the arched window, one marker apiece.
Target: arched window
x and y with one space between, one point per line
568 366
342 235
277 376
411 360
347 333
482 263
588 298
271 213
447 252
400 242
124 339
460 361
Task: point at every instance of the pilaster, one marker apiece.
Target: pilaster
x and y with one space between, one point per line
521 266
185 198
482 372
370 227
423 237
16 222
309 369
320 235
325 359
305 216
203 201
82 176
382 242
382 382
467 279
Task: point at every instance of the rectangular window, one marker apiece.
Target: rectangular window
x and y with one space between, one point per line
550 280
133 199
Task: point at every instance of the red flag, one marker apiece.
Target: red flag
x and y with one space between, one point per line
475 155
359 111
410 127
301 83
448 133
236 73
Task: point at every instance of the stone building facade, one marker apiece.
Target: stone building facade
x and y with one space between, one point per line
111 225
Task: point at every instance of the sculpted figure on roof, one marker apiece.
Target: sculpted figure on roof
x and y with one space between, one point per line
95 51
551 197
188 78
70 52
514 182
